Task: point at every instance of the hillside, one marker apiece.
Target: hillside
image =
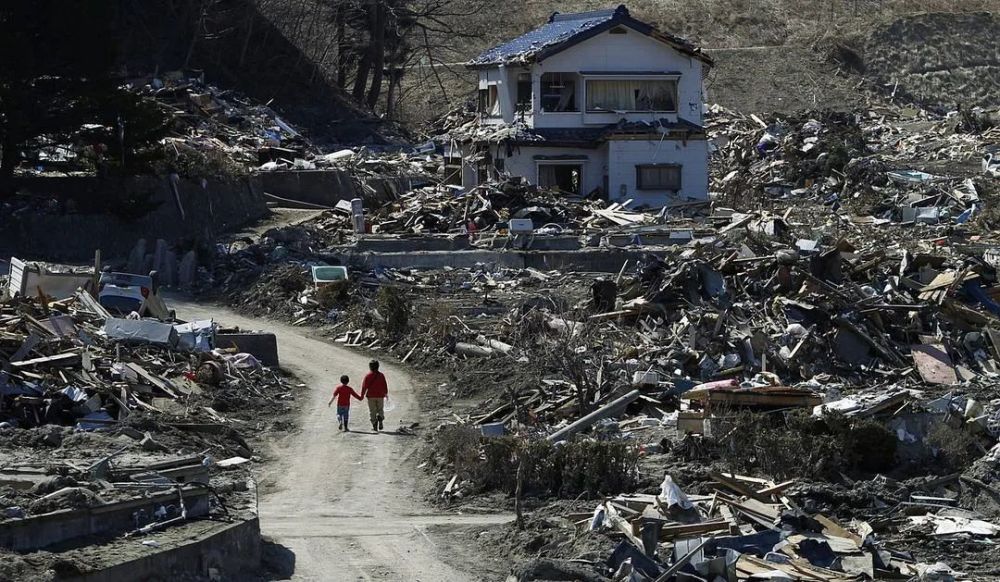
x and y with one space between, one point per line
785 55
772 55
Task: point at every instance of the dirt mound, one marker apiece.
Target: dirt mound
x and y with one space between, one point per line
938 59
779 79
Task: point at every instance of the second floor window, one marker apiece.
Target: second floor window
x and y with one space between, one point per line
489 103
524 93
632 95
558 92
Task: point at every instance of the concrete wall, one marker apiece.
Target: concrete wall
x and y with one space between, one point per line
232 550
205 210
589 260
44 530
625 155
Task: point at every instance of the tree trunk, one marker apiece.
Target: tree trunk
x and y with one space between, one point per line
246 38
365 62
392 93
361 79
343 49
198 29
8 162
377 51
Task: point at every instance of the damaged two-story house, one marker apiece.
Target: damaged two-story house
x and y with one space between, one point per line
592 102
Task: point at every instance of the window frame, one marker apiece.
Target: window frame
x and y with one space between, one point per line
580 164
663 166
486 109
573 78
522 84
672 78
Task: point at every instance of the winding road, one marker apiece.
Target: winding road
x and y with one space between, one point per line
345 503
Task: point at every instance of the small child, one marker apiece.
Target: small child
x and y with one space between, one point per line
343 395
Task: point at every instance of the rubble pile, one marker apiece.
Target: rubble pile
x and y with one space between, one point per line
883 165
489 207
97 410
71 363
362 163
893 333
814 356
207 119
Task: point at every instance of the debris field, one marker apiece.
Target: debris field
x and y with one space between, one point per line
794 380
153 425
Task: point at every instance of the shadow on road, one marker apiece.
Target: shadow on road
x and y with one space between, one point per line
277 561
385 432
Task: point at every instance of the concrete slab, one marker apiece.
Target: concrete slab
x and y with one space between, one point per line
58 527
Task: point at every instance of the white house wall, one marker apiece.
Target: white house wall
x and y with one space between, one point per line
522 163
625 155
505 80
631 51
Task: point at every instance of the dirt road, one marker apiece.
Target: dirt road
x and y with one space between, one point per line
345 503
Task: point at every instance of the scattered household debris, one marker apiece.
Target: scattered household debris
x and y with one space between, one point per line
797 349
124 417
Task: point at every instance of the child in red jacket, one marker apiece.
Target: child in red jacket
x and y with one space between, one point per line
343 395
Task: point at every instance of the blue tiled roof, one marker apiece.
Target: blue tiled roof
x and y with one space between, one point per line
563 30
559 29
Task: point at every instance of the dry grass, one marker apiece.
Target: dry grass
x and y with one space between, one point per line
796 444
712 24
587 467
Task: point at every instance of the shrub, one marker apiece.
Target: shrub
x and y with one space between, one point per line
797 444
567 469
394 308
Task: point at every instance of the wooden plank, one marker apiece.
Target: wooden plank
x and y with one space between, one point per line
934 364
154 380
766 510
687 530
29 344
91 304
64 359
758 398
749 565
776 489
994 336
622 525
762 520
734 484
748 479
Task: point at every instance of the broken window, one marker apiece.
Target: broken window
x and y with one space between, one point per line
524 92
658 177
563 177
489 103
558 92
632 95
